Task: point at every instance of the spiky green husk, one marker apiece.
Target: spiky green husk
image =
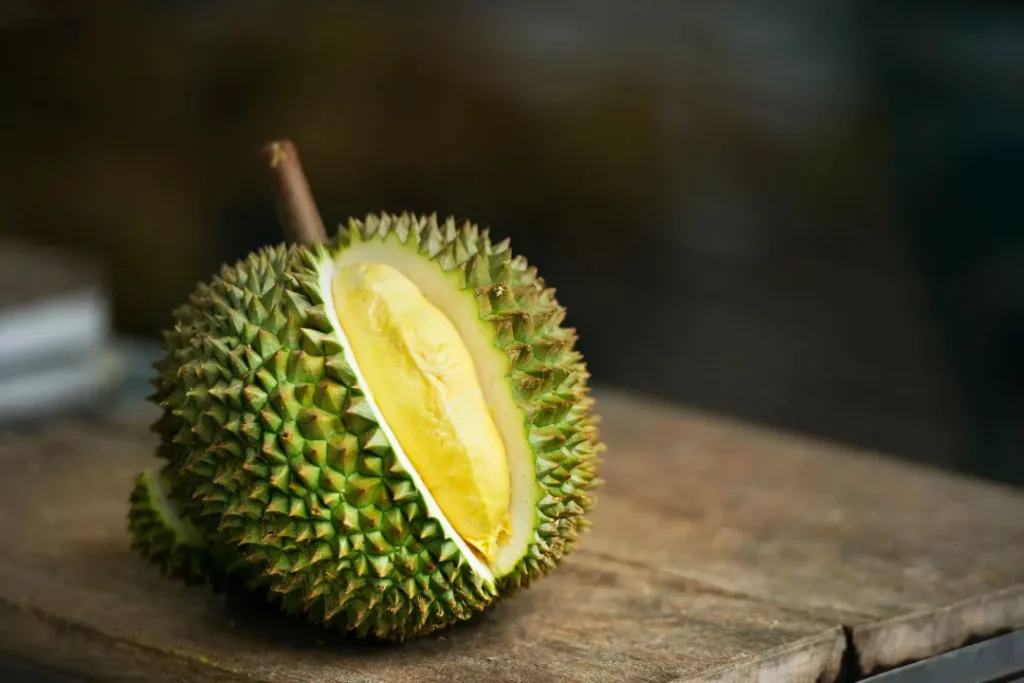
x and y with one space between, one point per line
164 538
276 453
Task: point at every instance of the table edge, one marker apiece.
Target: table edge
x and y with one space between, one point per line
886 644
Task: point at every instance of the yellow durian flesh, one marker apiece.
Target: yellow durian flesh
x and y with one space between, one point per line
425 385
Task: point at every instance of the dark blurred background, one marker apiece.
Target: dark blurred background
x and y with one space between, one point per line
803 213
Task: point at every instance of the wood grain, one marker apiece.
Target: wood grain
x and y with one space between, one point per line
914 561
719 552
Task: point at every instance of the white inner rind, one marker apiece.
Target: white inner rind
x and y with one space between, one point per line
159 500
492 367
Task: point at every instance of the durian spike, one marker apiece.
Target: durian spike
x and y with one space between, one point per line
296 207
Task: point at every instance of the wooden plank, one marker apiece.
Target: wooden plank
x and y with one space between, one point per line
82 599
14 671
914 561
997 660
719 552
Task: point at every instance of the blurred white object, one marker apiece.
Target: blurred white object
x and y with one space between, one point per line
56 350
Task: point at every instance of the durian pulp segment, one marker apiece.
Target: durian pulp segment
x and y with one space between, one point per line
426 388
443 290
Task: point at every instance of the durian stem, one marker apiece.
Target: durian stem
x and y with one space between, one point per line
297 209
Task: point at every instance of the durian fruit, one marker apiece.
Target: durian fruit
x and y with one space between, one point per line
387 430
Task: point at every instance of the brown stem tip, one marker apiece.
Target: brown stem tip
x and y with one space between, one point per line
297 209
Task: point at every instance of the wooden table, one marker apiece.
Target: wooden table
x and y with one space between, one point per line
719 552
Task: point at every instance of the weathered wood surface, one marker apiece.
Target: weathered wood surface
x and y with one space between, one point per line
719 552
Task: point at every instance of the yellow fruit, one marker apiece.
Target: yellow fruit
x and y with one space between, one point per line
424 381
